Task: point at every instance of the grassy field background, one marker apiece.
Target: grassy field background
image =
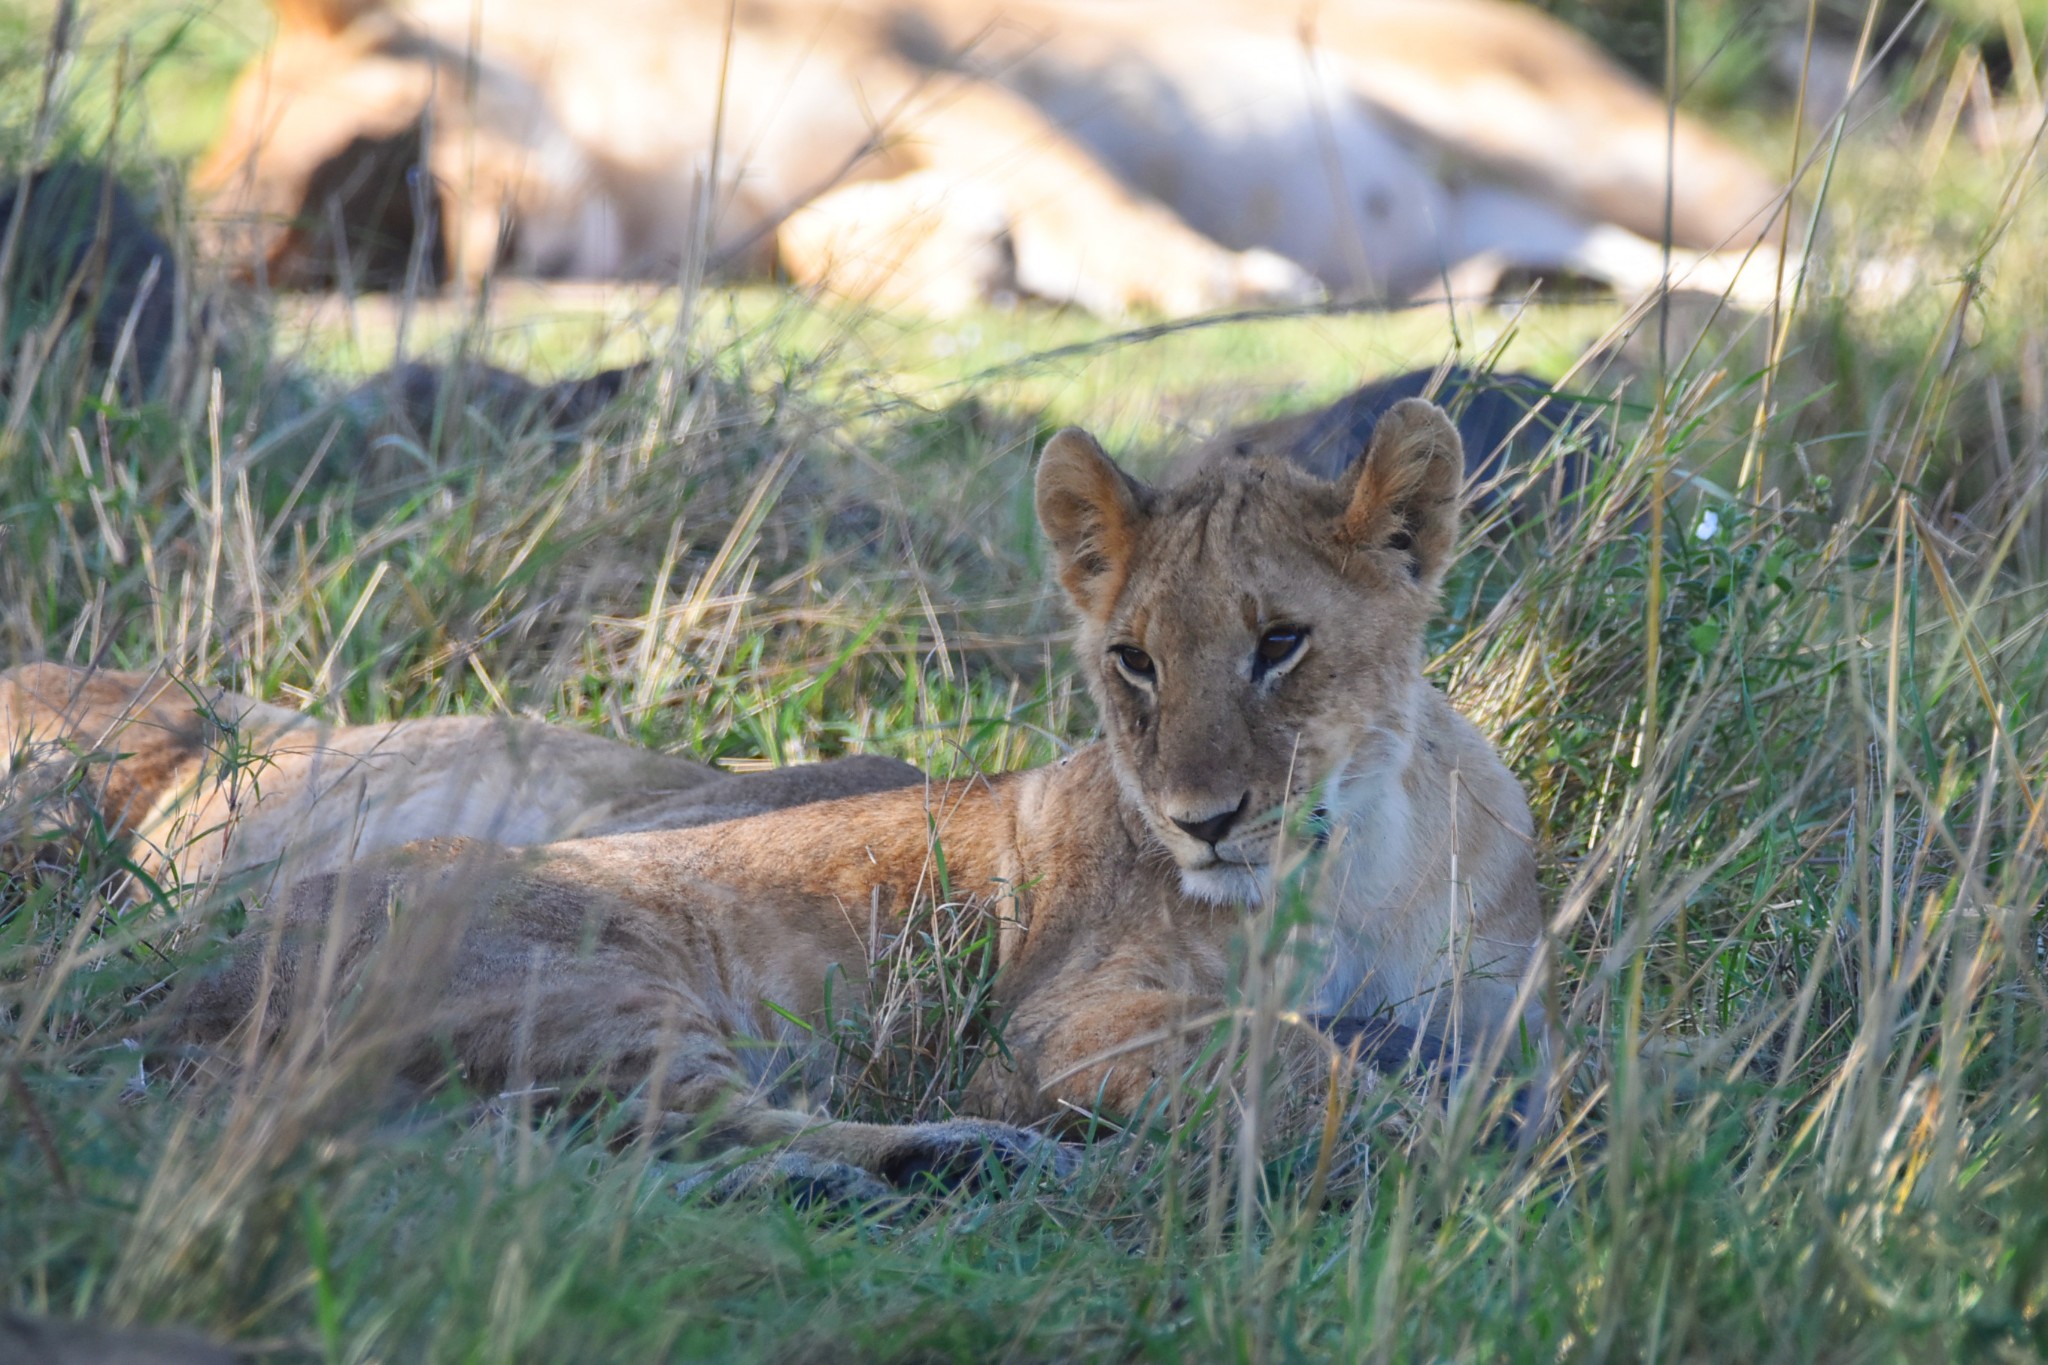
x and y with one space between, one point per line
1776 692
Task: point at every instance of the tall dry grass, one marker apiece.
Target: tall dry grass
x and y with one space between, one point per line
1772 680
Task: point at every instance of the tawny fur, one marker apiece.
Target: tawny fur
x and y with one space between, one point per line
1170 155
677 954
213 788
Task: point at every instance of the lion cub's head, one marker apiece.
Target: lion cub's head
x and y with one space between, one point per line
1253 637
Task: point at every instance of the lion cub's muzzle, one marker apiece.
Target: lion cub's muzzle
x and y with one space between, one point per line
1227 852
1203 832
1247 831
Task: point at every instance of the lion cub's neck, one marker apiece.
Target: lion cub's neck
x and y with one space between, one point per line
1427 894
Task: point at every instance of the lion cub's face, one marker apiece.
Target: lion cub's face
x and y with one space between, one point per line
1253 637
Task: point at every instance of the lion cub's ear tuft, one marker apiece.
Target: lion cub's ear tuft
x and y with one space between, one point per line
1090 510
1403 495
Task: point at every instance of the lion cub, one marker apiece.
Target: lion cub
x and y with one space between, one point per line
1253 640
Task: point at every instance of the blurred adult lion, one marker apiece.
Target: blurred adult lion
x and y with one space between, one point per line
1165 155
1253 641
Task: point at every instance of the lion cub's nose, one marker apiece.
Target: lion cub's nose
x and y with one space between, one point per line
1210 828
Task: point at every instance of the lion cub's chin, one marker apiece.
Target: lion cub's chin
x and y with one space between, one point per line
1228 883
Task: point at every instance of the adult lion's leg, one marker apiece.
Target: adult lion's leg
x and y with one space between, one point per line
924 239
1076 233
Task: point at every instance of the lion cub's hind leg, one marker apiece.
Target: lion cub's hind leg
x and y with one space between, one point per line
463 951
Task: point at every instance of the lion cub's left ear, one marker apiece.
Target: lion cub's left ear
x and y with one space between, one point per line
1090 510
1404 493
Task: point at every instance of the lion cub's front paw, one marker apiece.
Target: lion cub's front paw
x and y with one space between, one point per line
791 1177
969 1152
918 1158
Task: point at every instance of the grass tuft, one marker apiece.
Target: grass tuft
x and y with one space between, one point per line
1773 678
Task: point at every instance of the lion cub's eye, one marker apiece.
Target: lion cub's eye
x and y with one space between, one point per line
1134 661
1277 646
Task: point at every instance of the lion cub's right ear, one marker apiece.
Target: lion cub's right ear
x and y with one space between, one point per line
1090 510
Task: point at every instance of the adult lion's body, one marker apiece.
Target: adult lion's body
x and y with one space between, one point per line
1253 639
1157 154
